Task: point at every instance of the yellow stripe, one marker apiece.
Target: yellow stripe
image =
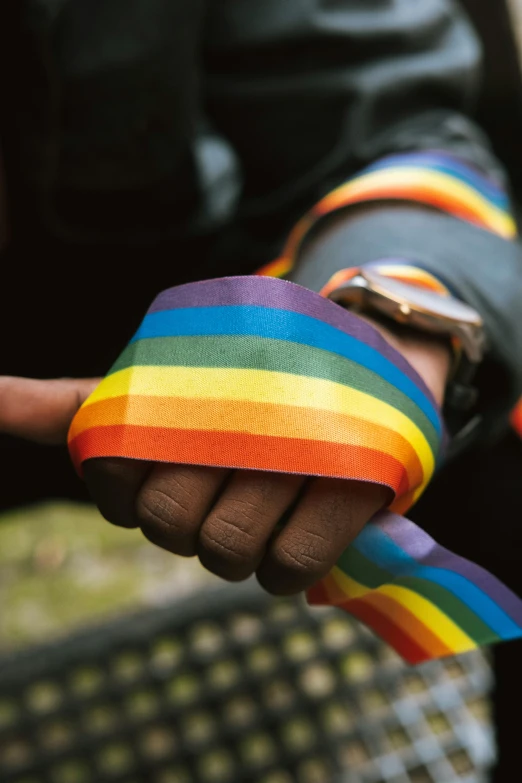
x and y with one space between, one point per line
494 217
425 611
432 617
350 587
266 387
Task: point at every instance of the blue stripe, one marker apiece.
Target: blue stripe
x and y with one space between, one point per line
447 166
282 325
375 545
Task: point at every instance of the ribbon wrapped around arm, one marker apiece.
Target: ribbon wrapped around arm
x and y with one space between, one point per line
258 373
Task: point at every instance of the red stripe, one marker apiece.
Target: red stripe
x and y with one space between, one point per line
388 606
516 419
405 645
240 450
317 595
271 420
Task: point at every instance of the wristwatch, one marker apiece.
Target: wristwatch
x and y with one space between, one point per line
431 312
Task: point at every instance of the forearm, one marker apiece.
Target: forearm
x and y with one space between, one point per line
485 269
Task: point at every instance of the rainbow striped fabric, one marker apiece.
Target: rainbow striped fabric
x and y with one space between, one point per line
437 179
426 601
258 373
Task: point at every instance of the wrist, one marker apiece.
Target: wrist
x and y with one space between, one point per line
430 356
440 336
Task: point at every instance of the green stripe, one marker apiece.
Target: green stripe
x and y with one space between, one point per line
364 571
244 353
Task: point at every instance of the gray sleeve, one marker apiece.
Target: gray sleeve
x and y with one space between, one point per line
485 269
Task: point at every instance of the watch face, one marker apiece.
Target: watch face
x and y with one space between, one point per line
415 307
421 300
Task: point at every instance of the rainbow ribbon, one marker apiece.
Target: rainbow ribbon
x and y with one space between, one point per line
258 373
434 178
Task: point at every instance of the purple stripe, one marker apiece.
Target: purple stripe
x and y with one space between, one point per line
420 546
282 295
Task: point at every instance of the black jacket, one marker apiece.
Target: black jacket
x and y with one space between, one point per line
143 118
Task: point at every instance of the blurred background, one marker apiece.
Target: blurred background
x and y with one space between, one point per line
120 662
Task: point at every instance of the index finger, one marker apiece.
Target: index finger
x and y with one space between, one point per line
41 410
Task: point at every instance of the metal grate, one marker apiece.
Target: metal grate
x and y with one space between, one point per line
233 687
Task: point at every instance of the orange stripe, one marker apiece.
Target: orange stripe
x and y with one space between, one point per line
328 586
270 420
278 268
340 277
297 234
240 450
407 647
425 194
402 618
417 282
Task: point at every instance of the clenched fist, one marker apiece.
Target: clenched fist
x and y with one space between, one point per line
289 530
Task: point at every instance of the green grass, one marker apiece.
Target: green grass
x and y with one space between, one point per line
62 566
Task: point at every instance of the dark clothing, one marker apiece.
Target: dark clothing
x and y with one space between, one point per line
500 103
144 119
474 507
149 142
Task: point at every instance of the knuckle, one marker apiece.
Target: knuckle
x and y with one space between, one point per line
155 508
226 537
244 512
302 559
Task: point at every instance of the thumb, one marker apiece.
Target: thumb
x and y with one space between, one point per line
41 410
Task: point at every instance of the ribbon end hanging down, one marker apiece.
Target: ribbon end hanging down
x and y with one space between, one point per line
261 374
422 599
